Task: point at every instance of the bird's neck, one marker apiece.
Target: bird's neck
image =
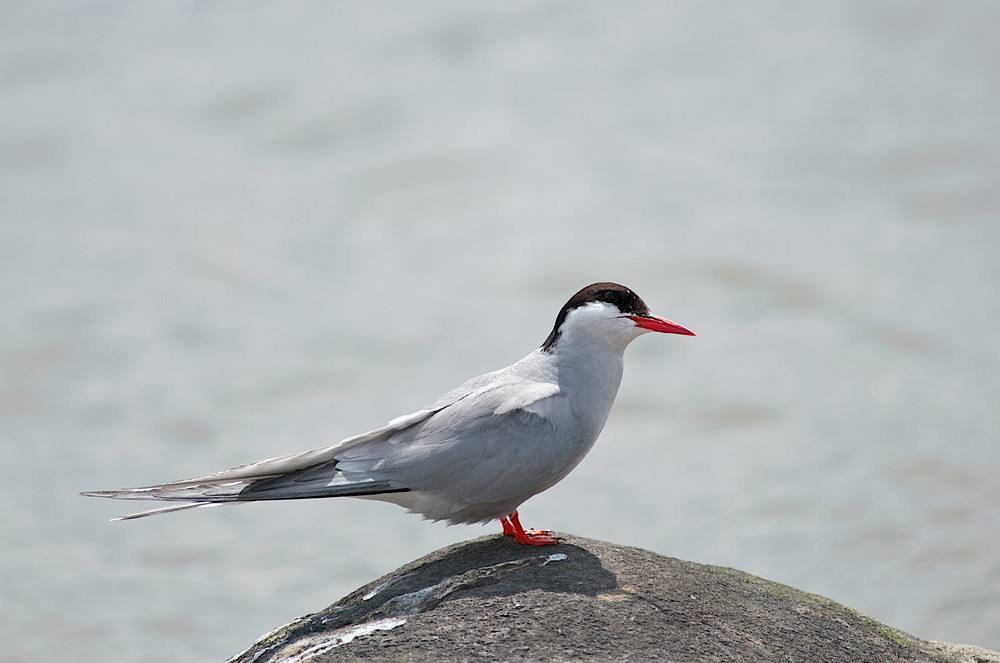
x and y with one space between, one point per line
591 367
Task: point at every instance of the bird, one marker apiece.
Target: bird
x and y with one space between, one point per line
478 452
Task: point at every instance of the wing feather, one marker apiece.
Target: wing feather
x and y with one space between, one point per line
455 442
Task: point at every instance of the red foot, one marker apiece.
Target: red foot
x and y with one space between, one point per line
530 537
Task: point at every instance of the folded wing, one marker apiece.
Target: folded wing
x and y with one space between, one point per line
379 462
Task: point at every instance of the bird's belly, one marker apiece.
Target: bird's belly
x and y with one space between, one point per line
482 486
464 473
433 506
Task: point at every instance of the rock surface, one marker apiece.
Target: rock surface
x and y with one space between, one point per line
585 600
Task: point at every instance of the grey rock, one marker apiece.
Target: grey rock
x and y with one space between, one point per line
585 600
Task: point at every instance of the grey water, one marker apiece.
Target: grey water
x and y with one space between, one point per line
235 230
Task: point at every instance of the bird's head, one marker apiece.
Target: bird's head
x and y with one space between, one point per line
608 312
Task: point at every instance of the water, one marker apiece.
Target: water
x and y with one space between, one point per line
235 230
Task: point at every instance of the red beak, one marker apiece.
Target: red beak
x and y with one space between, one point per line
658 324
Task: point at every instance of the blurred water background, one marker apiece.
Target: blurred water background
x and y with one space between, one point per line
233 230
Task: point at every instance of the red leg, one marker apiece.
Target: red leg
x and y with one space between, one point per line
532 537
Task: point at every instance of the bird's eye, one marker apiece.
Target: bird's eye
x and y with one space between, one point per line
609 296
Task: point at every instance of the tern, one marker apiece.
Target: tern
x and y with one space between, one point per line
475 454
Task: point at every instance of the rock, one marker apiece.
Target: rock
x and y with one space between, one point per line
491 599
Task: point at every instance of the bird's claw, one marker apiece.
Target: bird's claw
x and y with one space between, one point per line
526 537
536 537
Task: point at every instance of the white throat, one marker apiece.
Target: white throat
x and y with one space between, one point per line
588 357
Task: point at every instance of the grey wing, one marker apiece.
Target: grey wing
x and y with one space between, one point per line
512 437
475 427
310 474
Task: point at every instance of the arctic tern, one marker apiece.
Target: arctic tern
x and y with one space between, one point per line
478 452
